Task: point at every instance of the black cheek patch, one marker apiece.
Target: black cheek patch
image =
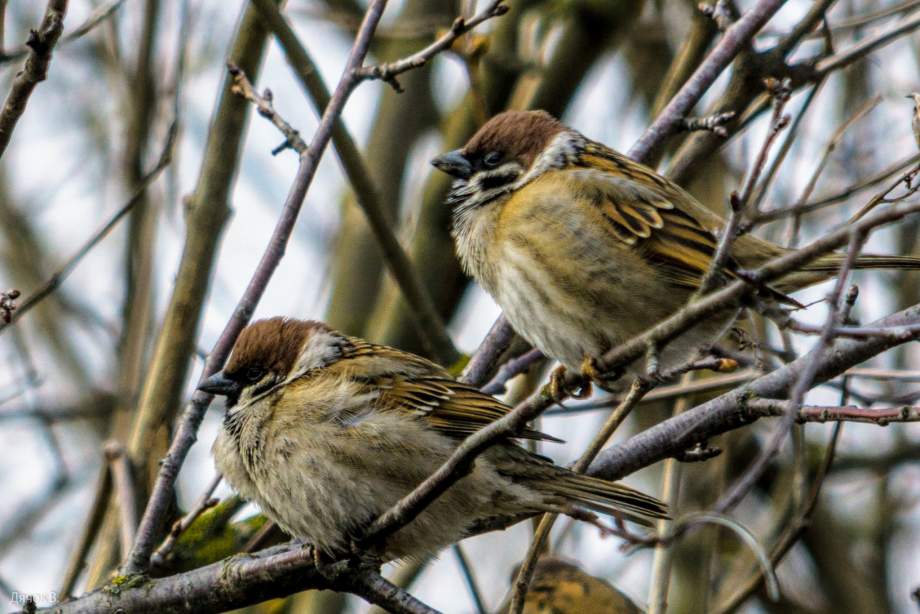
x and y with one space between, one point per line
490 182
265 386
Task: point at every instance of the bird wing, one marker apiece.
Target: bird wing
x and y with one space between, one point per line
651 213
454 408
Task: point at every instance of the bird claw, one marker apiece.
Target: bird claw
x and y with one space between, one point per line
319 561
559 390
593 374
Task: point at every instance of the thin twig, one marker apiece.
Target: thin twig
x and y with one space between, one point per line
836 138
389 71
792 532
525 572
59 276
662 559
735 39
205 502
97 510
803 383
895 169
867 45
483 361
242 87
469 579
881 416
98 16
739 202
125 492
41 43
511 369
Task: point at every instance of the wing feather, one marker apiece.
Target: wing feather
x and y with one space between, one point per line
640 208
452 407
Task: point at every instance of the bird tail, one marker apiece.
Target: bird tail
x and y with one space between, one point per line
826 266
611 498
884 262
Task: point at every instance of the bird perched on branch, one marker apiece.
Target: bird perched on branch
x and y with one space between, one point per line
583 248
326 432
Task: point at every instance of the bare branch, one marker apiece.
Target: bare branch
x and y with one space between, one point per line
125 492
388 72
41 43
735 39
483 361
242 581
98 16
205 502
59 276
881 416
726 412
868 45
263 102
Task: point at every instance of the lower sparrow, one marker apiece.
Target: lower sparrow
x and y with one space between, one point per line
325 432
583 248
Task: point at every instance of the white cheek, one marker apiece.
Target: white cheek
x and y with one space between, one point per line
561 151
320 349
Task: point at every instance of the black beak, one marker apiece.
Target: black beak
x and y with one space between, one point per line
220 384
453 163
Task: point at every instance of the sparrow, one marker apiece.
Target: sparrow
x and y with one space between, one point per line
584 248
559 586
325 432
915 122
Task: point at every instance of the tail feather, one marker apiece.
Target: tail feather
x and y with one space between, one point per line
611 498
831 263
825 267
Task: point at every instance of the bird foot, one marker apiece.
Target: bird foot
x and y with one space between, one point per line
559 390
592 373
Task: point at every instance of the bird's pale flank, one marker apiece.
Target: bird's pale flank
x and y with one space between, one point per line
325 432
584 248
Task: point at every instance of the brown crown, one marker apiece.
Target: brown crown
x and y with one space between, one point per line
519 135
273 344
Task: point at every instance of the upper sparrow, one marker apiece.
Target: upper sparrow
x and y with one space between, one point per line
583 248
325 432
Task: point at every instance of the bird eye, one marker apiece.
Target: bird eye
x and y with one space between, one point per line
492 159
254 374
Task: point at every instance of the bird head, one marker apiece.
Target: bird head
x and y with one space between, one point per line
508 151
272 352
915 96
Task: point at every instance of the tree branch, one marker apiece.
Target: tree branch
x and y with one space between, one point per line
41 43
388 72
728 411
